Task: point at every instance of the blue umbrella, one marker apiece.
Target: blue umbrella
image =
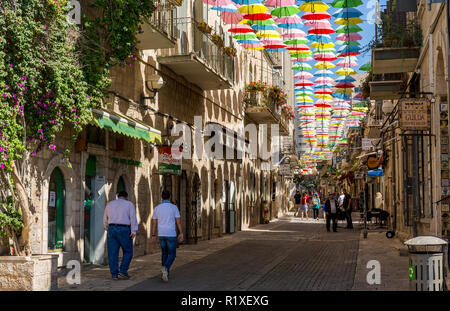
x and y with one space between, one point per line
345 79
323 86
320 38
291 26
344 96
247 2
347 13
276 50
348 48
229 8
248 41
264 27
324 73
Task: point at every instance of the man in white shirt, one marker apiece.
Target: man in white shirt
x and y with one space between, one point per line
331 207
165 216
341 199
119 220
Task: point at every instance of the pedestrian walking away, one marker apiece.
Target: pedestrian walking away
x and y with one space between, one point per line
166 217
297 201
119 220
347 204
315 201
304 205
331 209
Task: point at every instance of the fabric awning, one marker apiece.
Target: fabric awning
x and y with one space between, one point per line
124 125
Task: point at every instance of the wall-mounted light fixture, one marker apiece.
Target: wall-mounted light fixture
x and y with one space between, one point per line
154 84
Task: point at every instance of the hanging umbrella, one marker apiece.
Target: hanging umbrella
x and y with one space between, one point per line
320 38
273 44
324 96
285 11
323 73
321 30
344 85
294 33
349 37
264 27
302 66
348 29
296 41
346 3
289 20
225 8
245 36
279 3
297 47
304 99
243 28
248 41
346 63
268 21
324 91
324 80
316 15
303 83
345 79
257 17
348 91
366 67
348 21
355 43
302 59
347 13
253 9
232 18
247 2
324 65
268 34
314 6
325 57
317 23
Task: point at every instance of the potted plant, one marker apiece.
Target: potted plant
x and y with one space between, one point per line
230 51
217 40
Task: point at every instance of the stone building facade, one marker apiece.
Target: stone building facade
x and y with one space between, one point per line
203 86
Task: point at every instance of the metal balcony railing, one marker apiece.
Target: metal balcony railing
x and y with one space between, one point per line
163 18
190 39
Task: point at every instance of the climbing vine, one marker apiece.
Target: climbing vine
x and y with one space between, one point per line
51 74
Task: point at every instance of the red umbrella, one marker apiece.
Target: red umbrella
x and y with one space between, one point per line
316 16
344 85
321 31
304 83
325 57
258 17
345 54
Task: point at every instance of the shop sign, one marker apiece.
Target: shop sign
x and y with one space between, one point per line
414 114
127 161
367 144
169 160
372 162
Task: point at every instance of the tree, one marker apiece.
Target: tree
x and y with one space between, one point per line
51 75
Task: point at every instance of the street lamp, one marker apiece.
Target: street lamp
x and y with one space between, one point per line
154 84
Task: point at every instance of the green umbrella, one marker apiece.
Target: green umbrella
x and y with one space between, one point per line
285 11
348 29
301 54
245 36
297 41
324 50
346 3
366 67
269 21
302 66
354 43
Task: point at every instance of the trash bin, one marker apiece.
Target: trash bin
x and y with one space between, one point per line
426 263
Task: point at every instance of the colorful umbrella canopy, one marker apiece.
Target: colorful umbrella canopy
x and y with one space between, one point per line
366 67
246 2
324 65
296 41
258 17
323 73
232 18
348 29
225 8
347 13
253 9
264 27
346 3
348 21
314 6
279 3
316 15
293 33
285 11
242 28
268 34
325 57
349 37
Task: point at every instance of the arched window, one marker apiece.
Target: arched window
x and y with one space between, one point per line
56 194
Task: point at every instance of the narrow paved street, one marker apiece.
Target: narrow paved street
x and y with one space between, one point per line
289 256
286 255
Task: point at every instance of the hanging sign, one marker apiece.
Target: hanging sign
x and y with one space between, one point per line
372 162
367 144
52 199
169 160
414 114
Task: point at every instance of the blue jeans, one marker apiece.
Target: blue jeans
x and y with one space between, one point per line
168 251
119 237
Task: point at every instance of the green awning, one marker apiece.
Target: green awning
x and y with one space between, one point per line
124 125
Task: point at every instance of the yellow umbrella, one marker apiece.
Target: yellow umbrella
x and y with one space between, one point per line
255 48
348 21
321 45
268 33
253 9
346 71
324 65
323 96
244 21
304 99
314 6
347 91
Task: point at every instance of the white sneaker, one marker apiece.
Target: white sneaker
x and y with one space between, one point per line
164 276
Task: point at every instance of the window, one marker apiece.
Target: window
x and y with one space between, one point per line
56 210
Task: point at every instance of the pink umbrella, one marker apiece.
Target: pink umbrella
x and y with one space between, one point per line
325 57
241 28
273 44
218 2
315 23
251 45
298 47
289 19
294 33
346 63
232 17
359 95
324 80
324 91
279 3
354 36
303 75
316 16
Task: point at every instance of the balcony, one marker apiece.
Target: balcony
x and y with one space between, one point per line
284 124
262 110
395 60
198 58
387 86
159 32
